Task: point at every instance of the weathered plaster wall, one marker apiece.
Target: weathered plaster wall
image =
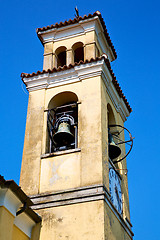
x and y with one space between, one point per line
30 169
112 226
78 221
60 172
37 174
6 224
18 234
8 229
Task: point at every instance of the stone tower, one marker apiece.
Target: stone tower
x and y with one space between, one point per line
66 165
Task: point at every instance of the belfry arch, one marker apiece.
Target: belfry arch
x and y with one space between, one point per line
62 122
60 56
62 98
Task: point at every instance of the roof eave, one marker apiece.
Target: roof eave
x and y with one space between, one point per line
77 20
114 80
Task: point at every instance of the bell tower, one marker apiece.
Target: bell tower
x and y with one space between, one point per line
74 149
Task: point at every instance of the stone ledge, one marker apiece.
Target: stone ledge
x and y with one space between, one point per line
58 153
59 197
78 195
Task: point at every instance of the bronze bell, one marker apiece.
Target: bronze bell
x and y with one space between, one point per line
63 137
114 150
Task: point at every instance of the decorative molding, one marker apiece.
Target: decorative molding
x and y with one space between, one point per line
56 34
77 74
71 196
49 53
78 195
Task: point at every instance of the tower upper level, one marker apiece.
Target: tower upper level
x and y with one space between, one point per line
75 40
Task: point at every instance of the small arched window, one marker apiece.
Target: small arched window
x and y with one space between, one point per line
61 56
62 122
78 52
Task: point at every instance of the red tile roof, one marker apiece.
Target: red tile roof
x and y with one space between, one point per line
114 80
76 20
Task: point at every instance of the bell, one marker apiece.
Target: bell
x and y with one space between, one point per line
63 137
114 150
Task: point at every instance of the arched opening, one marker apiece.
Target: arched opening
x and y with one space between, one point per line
114 150
61 56
78 52
111 117
62 98
62 122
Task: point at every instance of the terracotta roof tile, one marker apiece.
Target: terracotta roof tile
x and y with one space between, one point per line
114 80
76 20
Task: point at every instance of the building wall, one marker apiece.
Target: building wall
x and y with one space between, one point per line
40 175
78 221
30 169
18 234
16 225
113 226
6 224
8 230
86 167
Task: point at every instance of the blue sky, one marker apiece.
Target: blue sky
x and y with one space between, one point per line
134 28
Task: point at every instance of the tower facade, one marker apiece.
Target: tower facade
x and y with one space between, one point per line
66 168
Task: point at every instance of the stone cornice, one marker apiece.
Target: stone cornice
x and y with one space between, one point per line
79 73
79 195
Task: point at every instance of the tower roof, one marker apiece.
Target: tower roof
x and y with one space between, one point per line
76 20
